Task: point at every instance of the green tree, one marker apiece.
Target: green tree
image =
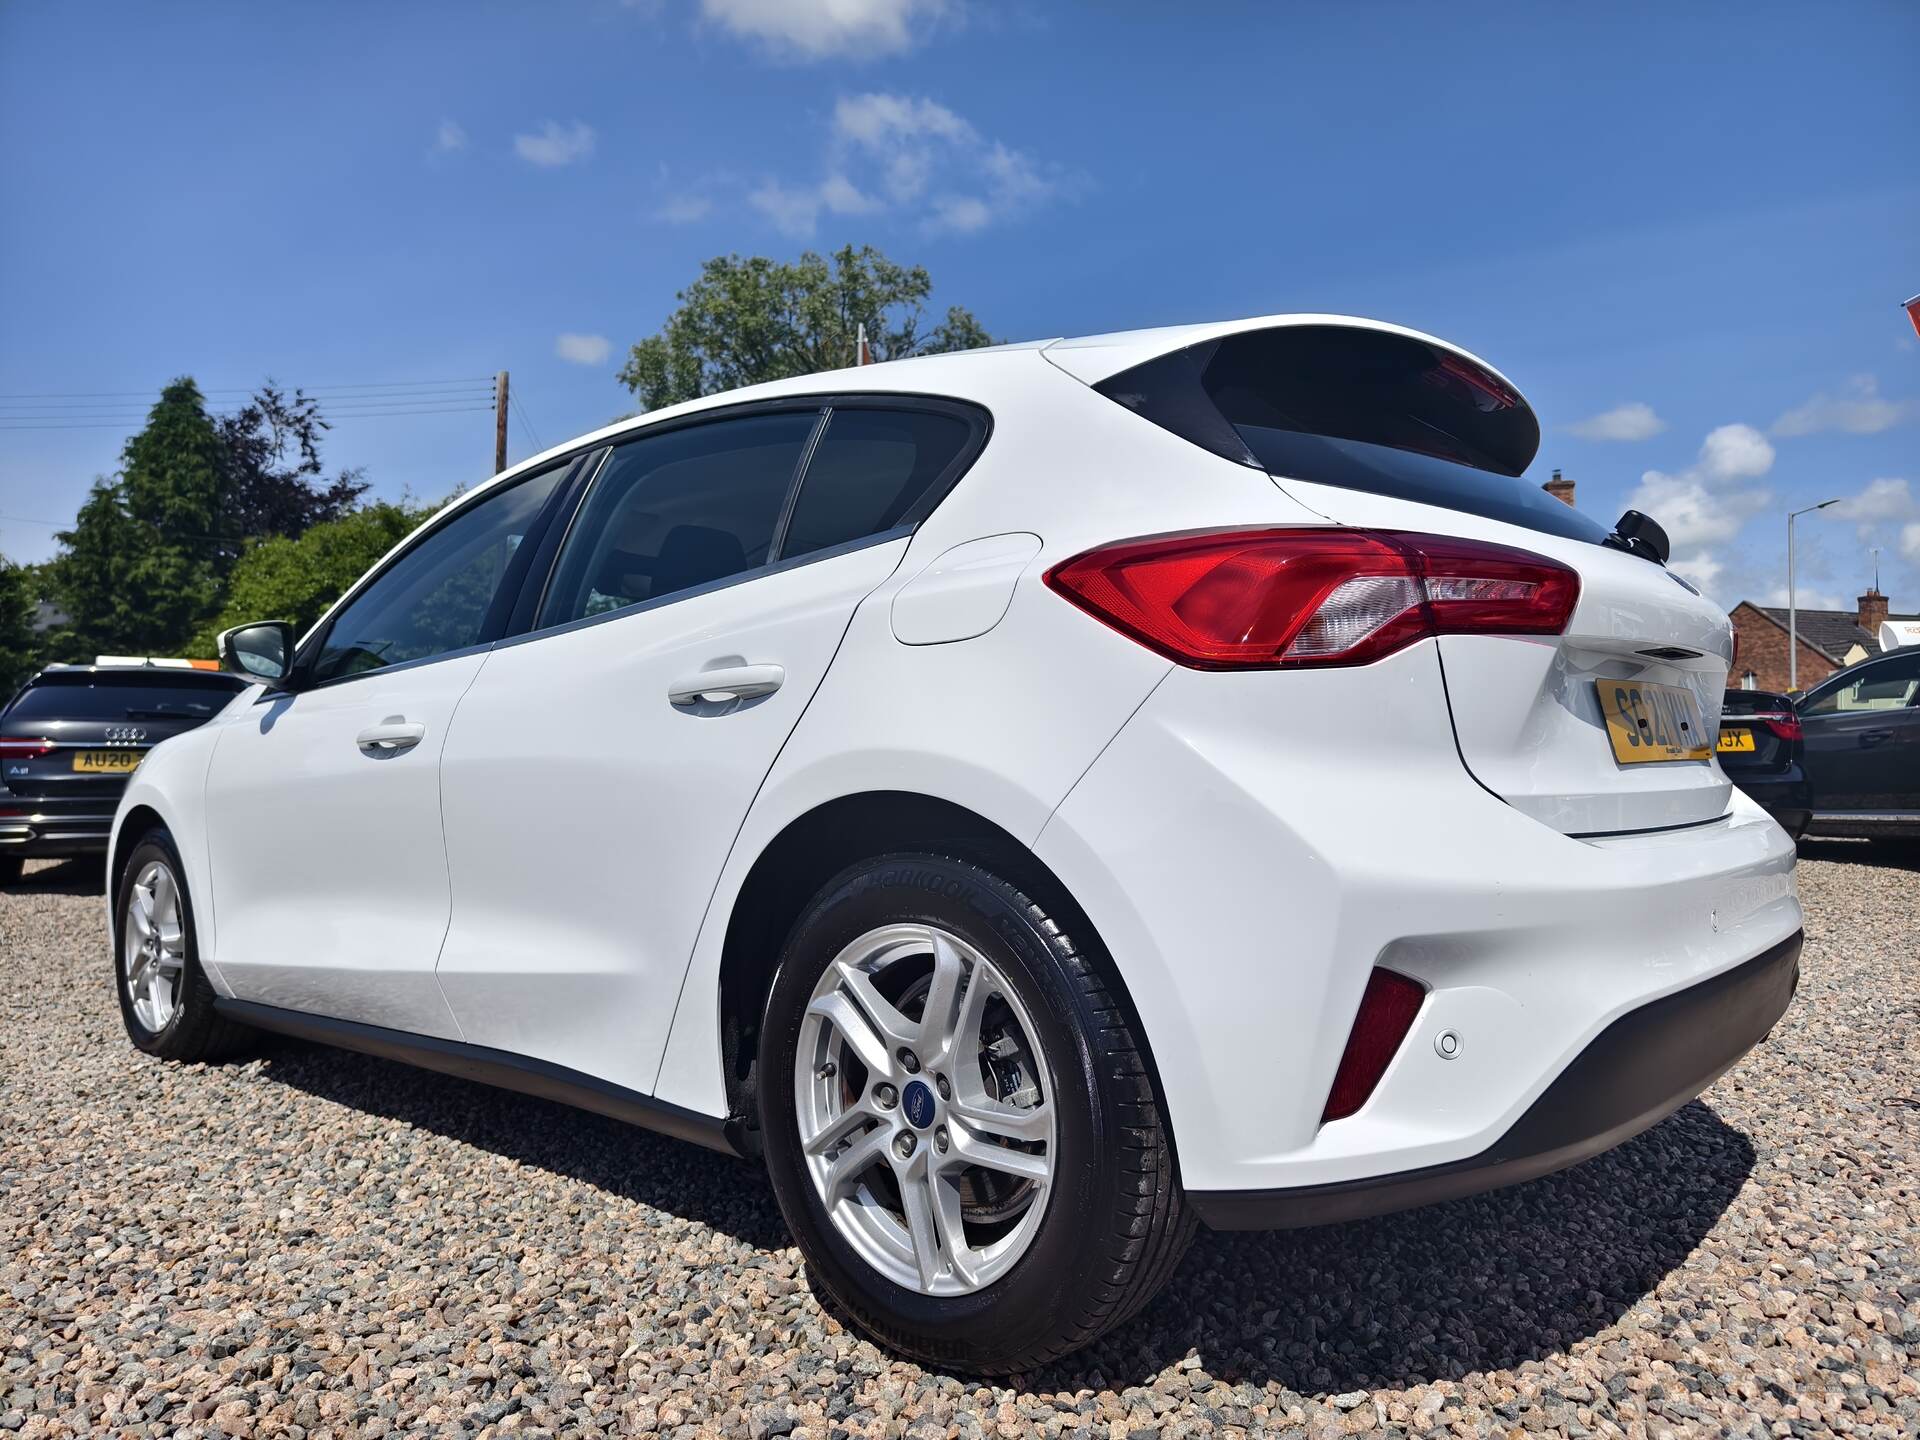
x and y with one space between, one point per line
748 320
19 646
171 476
297 579
88 579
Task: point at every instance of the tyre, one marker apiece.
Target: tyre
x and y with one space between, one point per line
959 1121
165 999
10 868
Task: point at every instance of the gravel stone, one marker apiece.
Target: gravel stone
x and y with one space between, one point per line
314 1244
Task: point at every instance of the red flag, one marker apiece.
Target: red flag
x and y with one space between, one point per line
1913 313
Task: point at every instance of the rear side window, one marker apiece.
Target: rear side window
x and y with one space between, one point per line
677 510
869 471
1359 409
115 697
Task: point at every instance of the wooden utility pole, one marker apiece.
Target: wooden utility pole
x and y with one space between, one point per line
499 422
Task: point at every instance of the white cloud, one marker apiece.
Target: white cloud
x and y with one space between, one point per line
1882 499
1624 422
909 154
796 210
1859 411
555 144
448 138
583 349
1735 452
1910 542
684 209
814 29
1707 504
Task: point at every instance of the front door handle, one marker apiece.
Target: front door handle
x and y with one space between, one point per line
735 682
393 734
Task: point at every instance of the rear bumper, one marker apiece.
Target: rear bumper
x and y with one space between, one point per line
35 828
1252 846
1640 1069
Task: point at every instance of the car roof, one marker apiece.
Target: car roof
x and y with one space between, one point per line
965 374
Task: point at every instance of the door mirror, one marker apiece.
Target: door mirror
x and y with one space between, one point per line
261 651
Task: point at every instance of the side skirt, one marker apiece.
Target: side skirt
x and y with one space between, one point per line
499 1068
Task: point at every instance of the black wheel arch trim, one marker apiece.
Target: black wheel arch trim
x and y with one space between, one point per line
1635 1073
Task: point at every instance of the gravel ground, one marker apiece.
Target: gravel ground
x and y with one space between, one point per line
313 1243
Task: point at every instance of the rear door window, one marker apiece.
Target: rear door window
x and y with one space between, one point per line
677 510
869 472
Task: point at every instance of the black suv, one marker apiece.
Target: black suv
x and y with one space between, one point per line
71 737
1863 748
1762 749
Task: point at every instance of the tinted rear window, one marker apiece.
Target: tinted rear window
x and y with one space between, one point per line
1359 409
870 469
99 697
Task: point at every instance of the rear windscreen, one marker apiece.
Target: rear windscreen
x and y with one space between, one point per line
98 697
1360 409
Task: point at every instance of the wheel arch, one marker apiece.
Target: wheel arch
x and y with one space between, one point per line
817 845
139 821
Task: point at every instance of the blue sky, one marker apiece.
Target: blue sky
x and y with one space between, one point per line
1684 231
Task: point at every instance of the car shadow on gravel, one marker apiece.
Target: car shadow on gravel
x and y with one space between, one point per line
1886 854
622 1160
1481 1284
82 875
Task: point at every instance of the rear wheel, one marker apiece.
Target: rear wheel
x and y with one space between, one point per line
959 1123
165 999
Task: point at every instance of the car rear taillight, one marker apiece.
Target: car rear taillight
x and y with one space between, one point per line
1258 599
1783 723
13 748
1386 1014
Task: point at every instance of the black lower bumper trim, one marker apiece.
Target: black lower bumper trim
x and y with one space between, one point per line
501 1068
1637 1071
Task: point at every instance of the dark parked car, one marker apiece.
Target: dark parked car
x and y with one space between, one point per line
74 733
1863 748
1761 749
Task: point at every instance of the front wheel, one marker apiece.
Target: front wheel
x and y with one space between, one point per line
961 1129
166 1001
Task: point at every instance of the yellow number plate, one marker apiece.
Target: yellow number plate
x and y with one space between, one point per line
1651 723
106 762
1735 740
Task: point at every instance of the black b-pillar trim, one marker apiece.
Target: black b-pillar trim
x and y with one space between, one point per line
500 1068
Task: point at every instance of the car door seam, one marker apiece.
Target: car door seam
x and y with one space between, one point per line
706 914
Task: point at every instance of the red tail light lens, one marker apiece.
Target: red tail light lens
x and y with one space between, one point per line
17 749
1258 599
1386 1014
1782 723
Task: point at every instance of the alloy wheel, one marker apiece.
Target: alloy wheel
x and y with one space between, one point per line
154 946
924 1109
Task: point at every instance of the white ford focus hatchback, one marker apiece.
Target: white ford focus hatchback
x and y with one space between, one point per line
1036 799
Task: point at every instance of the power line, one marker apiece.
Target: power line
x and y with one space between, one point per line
513 397
479 380
129 422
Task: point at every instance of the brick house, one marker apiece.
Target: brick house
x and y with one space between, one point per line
1829 640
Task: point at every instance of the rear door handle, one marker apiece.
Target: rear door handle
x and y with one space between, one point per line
392 734
735 682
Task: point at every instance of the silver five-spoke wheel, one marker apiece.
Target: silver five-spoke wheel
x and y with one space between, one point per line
923 1109
154 947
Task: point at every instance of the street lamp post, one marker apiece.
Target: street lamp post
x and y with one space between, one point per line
1793 612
